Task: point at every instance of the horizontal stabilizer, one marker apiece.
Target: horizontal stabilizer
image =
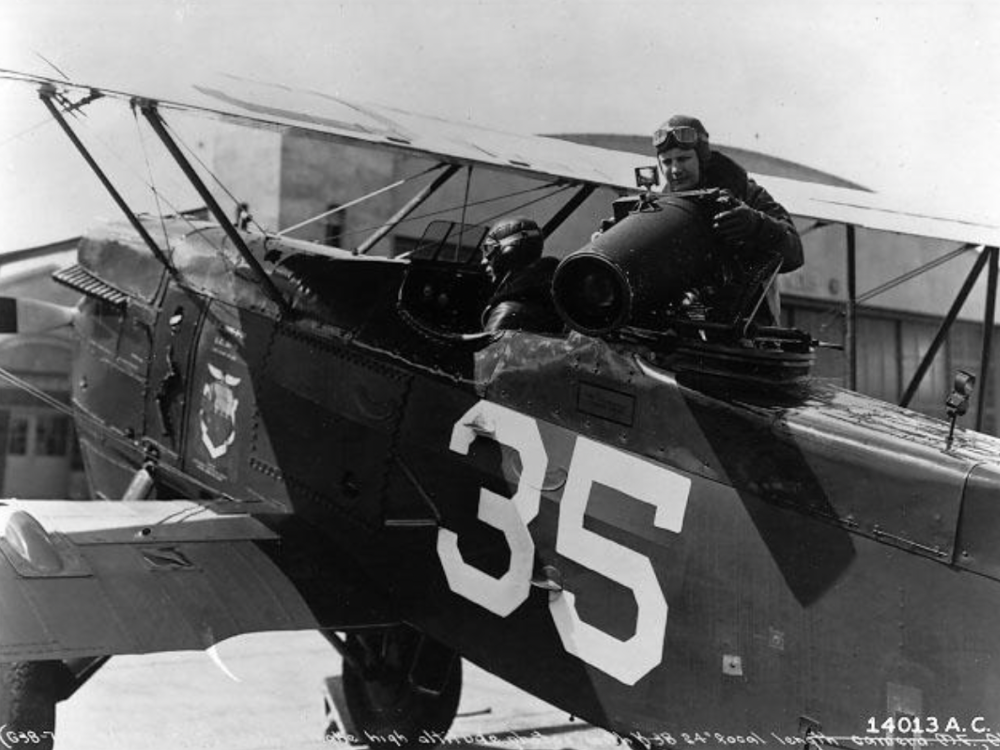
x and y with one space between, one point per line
33 316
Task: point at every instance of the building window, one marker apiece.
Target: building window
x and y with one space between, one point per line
51 435
17 435
334 226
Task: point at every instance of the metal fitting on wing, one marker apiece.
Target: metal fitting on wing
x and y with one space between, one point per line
25 537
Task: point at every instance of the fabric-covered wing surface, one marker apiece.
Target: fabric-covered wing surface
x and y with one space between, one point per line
135 577
275 106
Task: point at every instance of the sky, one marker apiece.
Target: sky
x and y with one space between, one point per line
898 96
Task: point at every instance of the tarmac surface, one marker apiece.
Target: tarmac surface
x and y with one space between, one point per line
185 700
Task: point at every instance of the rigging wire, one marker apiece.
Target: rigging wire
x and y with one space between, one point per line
168 250
832 316
160 198
27 131
37 392
176 136
465 204
356 201
557 191
484 201
318 217
468 228
893 283
131 170
51 64
135 174
46 121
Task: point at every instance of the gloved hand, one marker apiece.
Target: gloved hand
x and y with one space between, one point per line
738 222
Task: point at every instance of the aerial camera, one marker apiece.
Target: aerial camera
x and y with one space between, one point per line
638 271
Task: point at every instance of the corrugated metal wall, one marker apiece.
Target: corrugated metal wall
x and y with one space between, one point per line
890 347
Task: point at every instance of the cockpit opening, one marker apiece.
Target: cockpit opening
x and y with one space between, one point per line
444 289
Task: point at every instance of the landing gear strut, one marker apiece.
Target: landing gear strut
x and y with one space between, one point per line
397 687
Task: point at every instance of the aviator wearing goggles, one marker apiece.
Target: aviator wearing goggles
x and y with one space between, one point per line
683 136
492 246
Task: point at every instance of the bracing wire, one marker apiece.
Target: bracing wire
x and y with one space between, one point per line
37 392
507 211
215 178
466 204
27 131
41 123
51 64
356 201
837 313
316 218
156 193
492 199
557 191
132 171
902 279
484 201
135 174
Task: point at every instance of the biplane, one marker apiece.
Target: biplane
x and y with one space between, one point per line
654 520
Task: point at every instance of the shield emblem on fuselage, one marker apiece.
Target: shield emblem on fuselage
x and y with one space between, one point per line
217 415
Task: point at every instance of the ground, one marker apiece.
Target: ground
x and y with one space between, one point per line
185 700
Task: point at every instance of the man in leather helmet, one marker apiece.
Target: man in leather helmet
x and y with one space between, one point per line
749 219
522 298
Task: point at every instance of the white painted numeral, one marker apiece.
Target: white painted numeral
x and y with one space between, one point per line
592 463
511 516
666 491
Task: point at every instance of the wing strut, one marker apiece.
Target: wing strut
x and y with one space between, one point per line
851 311
149 110
564 213
406 210
47 92
989 320
943 331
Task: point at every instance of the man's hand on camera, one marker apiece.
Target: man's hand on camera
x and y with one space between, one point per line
739 222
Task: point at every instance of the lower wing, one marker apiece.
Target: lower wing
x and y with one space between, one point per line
81 579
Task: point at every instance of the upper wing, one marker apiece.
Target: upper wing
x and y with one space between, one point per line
259 104
873 211
84 579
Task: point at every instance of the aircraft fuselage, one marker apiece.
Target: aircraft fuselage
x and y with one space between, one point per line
652 550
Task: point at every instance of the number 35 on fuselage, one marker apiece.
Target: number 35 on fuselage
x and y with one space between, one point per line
638 503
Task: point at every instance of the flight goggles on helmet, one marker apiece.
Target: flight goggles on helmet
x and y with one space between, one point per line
683 136
492 245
